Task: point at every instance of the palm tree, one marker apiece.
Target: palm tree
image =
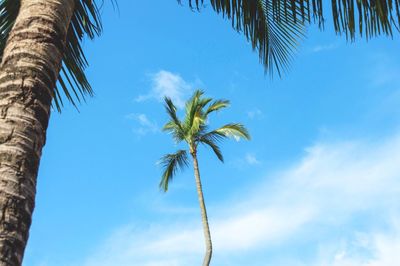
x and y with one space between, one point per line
41 34
193 130
40 44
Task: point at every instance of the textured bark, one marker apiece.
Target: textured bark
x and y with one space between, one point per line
28 73
204 219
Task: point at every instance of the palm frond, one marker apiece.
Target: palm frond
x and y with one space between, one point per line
177 133
210 140
275 27
191 106
214 136
197 121
171 110
173 126
194 113
271 26
171 163
233 130
216 105
370 17
84 22
8 14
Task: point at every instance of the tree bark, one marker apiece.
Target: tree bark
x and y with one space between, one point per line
28 74
204 219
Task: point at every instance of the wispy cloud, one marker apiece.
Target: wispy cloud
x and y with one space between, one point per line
364 249
145 125
251 159
320 195
255 113
324 47
165 83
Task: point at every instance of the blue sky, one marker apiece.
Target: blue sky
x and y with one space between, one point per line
318 184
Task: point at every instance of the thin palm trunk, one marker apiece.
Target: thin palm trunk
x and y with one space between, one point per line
28 73
204 219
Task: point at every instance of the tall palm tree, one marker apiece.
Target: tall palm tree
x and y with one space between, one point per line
193 130
40 44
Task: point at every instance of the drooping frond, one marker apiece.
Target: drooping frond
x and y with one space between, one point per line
171 163
216 105
211 140
173 126
233 130
171 110
274 27
369 17
267 24
85 21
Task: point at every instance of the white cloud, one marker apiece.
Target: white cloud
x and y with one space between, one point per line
255 113
165 83
145 124
325 47
251 159
365 249
315 197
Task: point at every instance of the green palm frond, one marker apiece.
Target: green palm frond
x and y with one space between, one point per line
171 110
72 80
210 140
177 133
171 163
369 17
275 27
267 24
173 126
216 105
233 130
194 113
197 121
191 107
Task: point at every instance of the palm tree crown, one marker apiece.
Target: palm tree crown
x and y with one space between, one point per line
193 129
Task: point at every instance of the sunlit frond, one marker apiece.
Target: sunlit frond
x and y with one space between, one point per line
216 105
191 107
194 113
171 163
234 131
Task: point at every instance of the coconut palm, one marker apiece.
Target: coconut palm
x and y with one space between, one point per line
40 44
41 34
193 130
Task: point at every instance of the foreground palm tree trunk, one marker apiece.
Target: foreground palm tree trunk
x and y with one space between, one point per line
28 73
204 219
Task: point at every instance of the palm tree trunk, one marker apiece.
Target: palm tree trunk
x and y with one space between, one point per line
28 73
204 219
